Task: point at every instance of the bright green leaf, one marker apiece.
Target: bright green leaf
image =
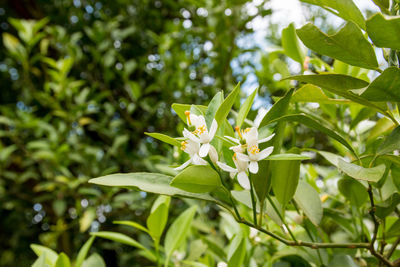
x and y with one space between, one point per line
226 106
165 138
308 200
291 44
311 93
391 143
62 261
132 224
237 251
51 255
277 110
212 108
287 157
118 237
366 174
158 217
197 179
83 252
285 177
95 260
41 261
384 30
245 108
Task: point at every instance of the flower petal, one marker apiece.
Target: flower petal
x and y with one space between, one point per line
266 139
265 153
243 180
260 116
213 154
204 150
232 139
242 157
184 165
252 137
213 129
253 166
189 135
226 167
198 161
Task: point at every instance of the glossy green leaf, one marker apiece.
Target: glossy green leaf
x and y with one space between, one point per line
366 174
342 261
83 252
291 44
277 110
95 260
348 45
62 261
118 237
245 108
197 179
354 191
132 224
310 93
158 217
345 9
287 157
212 108
165 138
331 157
285 177
148 182
178 231
308 200
386 87
51 255
391 142
237 251
226 106
384 30
41 261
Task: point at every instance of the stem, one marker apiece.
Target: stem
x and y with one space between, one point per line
253 202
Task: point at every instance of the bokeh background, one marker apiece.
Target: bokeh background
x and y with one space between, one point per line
82 80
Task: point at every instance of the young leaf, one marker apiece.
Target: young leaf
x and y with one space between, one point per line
360 173
158 217
226 106
83 252
118 237
41 261
245 108
291 44
178 231
212 108
308 200
384 30
386 87
62 261
197 179
348 45
165 138
285 177
132 224
51 255
95 260
148 182
237 251
353 190
346 9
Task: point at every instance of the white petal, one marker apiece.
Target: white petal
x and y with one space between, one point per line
232 139
266 139
226 167
265 153
242 157
204 150
213 129
244 180
252 137
184 165
260 116
213 154
189 135
253 166
232 174
198 161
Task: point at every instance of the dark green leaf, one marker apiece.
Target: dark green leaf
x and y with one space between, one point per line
197 179
386 87
278 109
391 143
285 177
384 30
354 191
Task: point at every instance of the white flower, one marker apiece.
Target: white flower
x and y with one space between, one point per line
201 135
192 148
260 116
253 152
241 171
222 264
240 147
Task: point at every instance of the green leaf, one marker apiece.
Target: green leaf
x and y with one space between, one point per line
386 87
394 230
342 261
40 262
383 5
165 138
149 182
348 45
311 93
158 217
212 108
276 111
331 157
291 44
226 106
10 42
178 231
51 255
118 237
345 9
384 30
366 174
391 143
245 108
237 251
83 252
285 177
353 190
181 108
308 200
197 179
95 260
62 261
132 224
287 157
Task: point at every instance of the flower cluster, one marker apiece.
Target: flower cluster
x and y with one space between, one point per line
246 150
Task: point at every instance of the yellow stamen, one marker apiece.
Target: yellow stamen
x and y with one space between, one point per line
237 129
234 156
247 130
254 150
183 145
187 114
